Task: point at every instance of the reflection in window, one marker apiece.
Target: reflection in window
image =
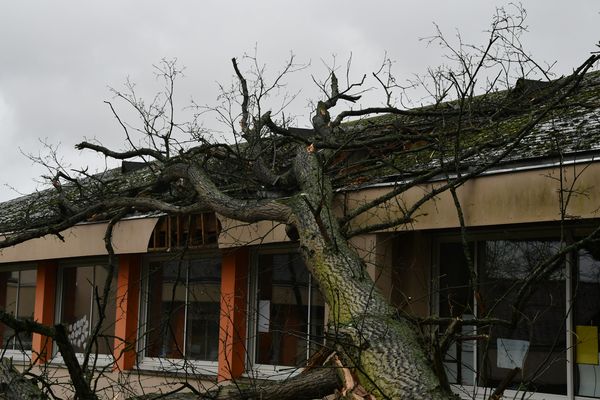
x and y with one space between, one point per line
456 300
290 311
183 309
587 320
82 290
17 297
536 342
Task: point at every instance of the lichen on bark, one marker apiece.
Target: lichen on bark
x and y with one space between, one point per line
382 348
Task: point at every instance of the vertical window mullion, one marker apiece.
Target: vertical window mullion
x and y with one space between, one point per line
60 297
252 309
92 300
18 289
569 303
143 310
185 307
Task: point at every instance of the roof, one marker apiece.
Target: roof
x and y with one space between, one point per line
390 147
41 207
488 123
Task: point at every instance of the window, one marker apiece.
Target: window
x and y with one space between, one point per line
288 312
535 341
183 309
17 297
586 317
456 300
81 291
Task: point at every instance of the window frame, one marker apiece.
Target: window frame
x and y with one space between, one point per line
19 356
268 371
478 236
165 364
99 360
574 274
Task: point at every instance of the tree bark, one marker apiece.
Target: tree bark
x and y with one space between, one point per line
384 349
15 385
82 388
314 384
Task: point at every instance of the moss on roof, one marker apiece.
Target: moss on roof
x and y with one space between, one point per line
487 122
394 146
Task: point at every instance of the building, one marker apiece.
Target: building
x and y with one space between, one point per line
239 302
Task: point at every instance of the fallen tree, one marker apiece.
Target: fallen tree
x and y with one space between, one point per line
292 176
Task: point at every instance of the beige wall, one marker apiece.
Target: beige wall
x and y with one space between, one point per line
129 236
376 258
400 263
235 233
400 267
496 199
507 198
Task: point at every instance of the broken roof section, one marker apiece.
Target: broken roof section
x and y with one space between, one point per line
479 131
386 148
45 206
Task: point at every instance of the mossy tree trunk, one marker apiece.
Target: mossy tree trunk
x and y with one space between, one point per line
384 350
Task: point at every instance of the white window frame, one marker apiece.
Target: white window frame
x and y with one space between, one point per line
164 364
268 371
19 356
100 360
541 233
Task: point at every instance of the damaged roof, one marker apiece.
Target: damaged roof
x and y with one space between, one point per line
41 207
432 135
395 146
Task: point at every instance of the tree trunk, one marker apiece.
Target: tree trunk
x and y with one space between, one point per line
384 349
314 384
82 388
15 385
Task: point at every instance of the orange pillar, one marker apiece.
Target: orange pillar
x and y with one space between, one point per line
126 319
43 312
232 337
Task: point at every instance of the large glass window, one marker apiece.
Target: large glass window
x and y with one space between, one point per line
530 314
456 300
183 309
587 320
534 340
81 296
518 283
289 311
17 297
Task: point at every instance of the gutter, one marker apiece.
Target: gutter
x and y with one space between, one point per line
509 167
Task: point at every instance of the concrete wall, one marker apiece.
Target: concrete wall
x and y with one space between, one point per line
499 199
129 236
496 199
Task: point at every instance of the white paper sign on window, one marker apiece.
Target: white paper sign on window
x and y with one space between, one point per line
511 353
79 331
264 315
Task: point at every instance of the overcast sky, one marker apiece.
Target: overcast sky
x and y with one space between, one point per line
58 58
